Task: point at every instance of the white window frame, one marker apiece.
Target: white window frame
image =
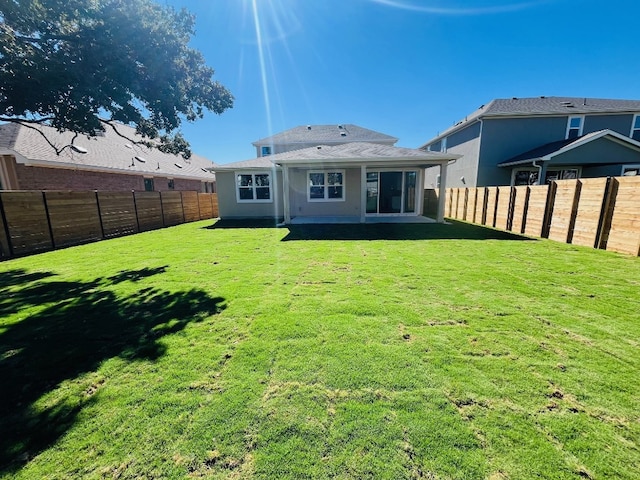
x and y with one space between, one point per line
253 186
326 186
536 170
580 129
634 129
443 147
629 167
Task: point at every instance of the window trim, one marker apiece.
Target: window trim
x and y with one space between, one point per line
253 174
633 125
580 129
550 169
153 184
629 167
326 186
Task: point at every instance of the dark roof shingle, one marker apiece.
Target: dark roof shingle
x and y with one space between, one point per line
326 134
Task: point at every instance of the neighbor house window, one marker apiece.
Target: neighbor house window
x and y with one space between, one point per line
172 184
148 184
635 128
435 147
265 151
529 176
630 170
326 186
253 187
574 127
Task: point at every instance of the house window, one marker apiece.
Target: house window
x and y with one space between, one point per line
435 147
574 127
265 151
148 185
529 176
326 186
635 128
171 184
444 145
253 187
630 170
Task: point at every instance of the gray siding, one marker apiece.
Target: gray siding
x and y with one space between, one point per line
617 123
466 143
300 206
505 138
229 207
598 152
602 171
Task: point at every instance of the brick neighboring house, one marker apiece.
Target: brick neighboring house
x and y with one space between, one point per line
107 162
519 141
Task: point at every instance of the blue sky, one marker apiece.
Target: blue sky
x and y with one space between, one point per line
407 68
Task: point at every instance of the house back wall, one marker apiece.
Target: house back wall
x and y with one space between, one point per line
300 206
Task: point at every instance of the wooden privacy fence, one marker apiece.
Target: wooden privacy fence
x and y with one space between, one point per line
34 221
596 212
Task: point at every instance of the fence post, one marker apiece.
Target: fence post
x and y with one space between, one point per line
182 205
46 212
512 206
526 209
604 225
548 211
135 209
100 215
162 209
6 228
574 211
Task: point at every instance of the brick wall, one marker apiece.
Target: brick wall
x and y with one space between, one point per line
42 178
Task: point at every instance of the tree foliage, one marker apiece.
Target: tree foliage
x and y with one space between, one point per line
85 65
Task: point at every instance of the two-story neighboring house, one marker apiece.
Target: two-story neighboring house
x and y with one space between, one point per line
521 141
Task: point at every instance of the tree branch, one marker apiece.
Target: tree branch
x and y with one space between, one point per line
25 123
122 135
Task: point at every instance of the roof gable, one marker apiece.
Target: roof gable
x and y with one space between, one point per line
550 150
326 134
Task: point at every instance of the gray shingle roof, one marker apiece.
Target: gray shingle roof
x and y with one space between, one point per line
504 107
326 134
107 153
348 151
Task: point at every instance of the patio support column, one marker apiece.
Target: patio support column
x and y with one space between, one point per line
285 194
443 192
363 193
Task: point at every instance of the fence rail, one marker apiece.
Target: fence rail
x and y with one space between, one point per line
35 221
597 212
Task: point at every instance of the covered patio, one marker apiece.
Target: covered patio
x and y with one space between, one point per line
357 183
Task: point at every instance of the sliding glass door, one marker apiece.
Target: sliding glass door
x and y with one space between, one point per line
391 192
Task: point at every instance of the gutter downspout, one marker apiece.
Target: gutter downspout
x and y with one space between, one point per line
542 171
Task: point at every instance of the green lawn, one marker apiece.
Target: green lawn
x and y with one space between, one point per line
379 351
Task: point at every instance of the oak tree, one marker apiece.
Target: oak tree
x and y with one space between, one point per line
87 65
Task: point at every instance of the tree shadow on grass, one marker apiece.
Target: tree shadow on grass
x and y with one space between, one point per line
74 328
399 231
